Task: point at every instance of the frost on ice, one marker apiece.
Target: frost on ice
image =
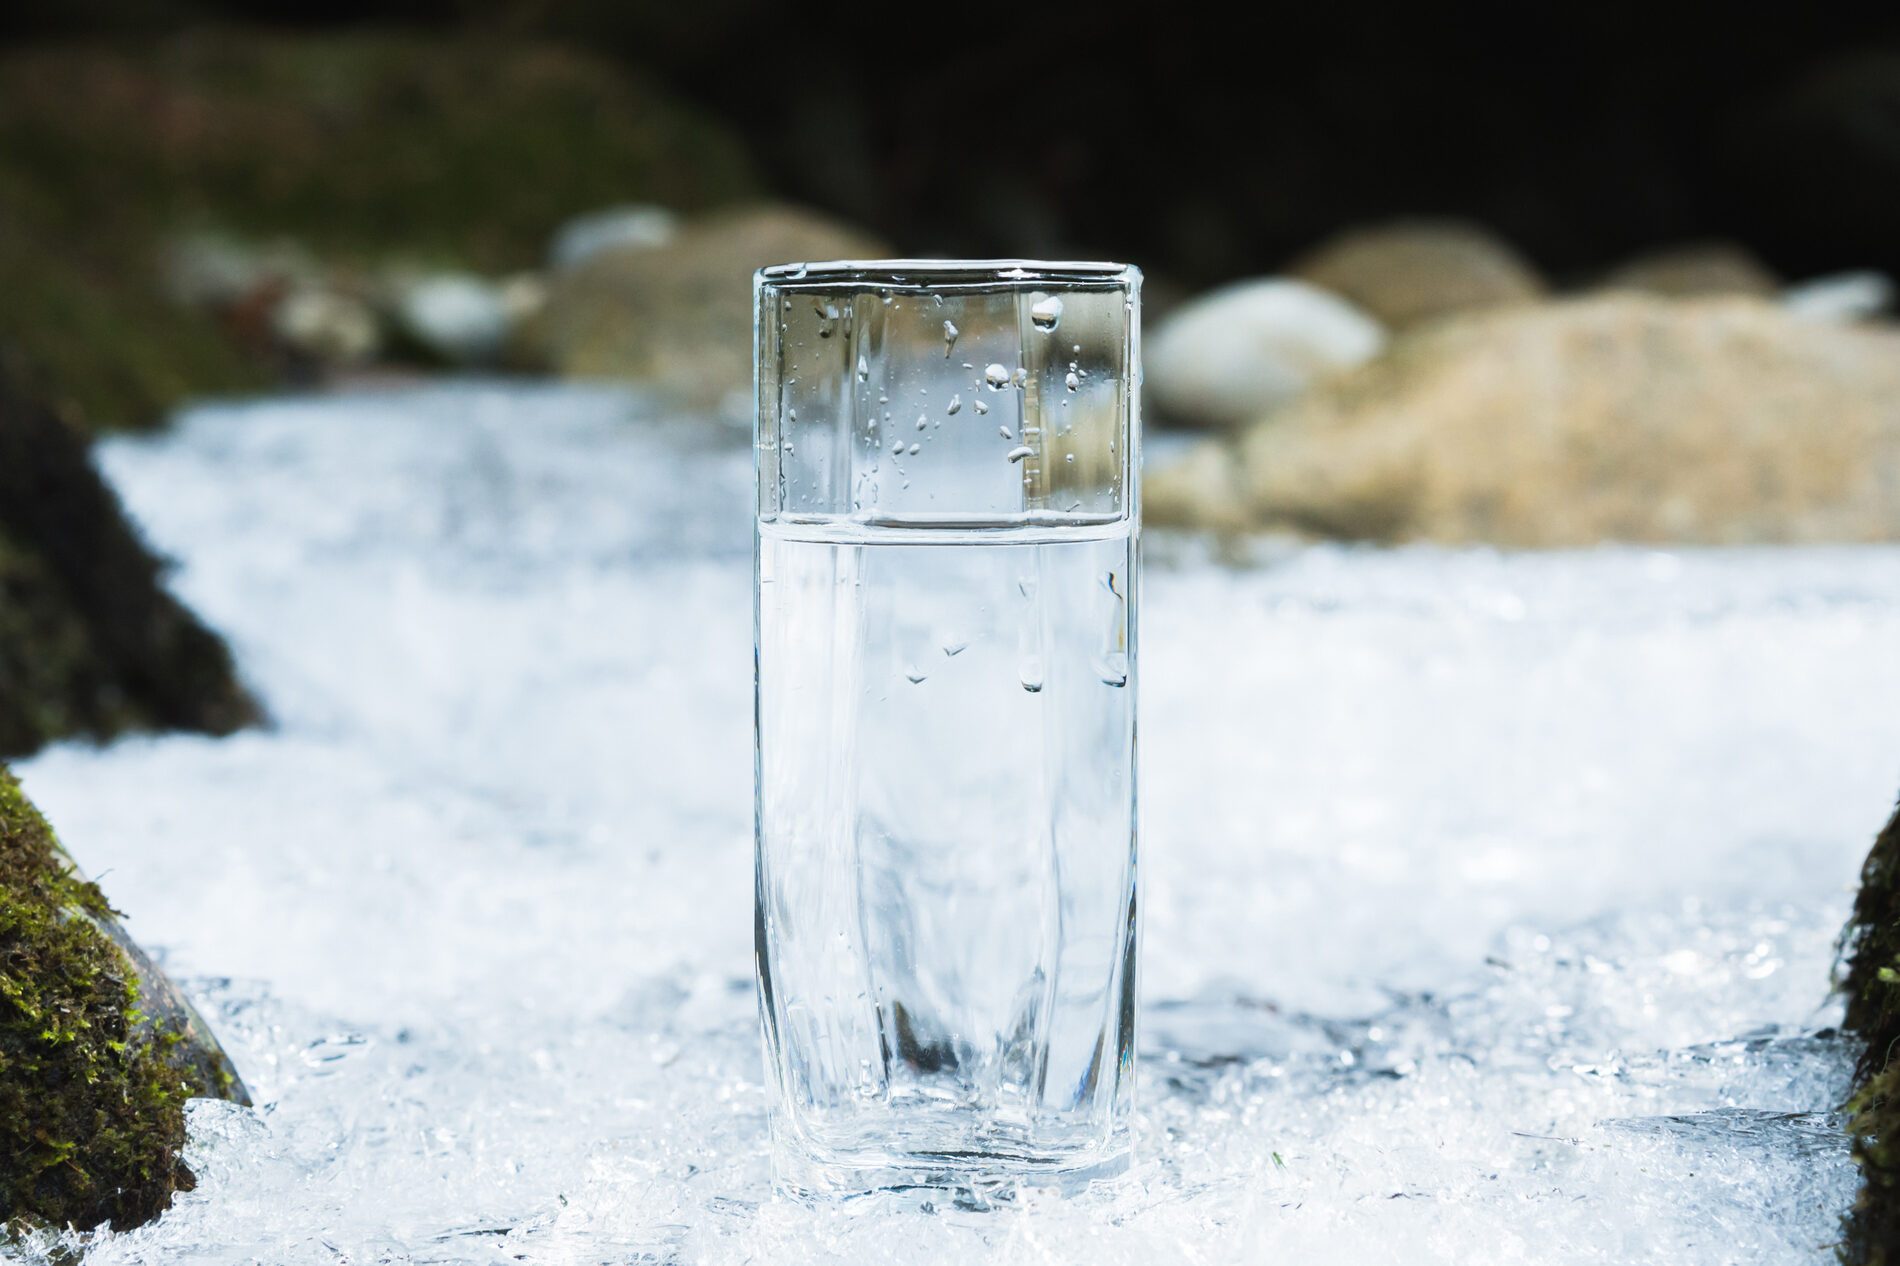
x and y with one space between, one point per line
1489 899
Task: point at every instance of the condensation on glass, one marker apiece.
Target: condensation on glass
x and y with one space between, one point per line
946 917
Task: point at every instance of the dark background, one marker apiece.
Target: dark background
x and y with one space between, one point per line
1212 143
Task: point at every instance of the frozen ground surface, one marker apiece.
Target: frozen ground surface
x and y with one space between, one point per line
1489 899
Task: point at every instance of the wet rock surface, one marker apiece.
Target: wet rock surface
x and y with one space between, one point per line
91 642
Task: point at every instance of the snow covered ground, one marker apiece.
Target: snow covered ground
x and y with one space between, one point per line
1489 899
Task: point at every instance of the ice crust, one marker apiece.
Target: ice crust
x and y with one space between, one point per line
1489 899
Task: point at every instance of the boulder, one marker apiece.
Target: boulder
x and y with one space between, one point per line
1853 296
614 228
1616 417
90 641
1230 356
1415 270
679 316
98 1050
455 318
1870 949
1695 269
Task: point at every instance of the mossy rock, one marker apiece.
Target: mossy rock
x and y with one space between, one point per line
98 1050
1871 951
90 641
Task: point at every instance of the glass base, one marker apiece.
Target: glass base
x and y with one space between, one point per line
962 1180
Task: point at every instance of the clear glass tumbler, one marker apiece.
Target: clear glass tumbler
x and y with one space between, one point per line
945 653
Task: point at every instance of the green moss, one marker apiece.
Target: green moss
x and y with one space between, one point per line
91 1096
1871 952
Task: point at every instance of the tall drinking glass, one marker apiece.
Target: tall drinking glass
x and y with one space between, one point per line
945 645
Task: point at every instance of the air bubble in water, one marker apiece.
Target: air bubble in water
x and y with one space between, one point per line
949 337
996 377
1046 314
1019 452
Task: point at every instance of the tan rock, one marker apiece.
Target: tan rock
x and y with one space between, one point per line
679 315
1617 417
1415 270
1698 268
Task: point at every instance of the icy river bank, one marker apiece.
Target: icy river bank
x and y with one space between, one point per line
1490 898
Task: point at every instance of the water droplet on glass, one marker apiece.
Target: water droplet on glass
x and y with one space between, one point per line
864 369
914 675
922 421
1047 313
897 446
1114 669
1031 674
1006 433
949 336
979 406
954 644
956 403
1069 458
1072 382
791 415
915 449
1019 452
1019 377
996 377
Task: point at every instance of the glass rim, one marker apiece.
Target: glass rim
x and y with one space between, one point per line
897 273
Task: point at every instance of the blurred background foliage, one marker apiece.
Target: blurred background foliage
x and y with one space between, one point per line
1209 147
